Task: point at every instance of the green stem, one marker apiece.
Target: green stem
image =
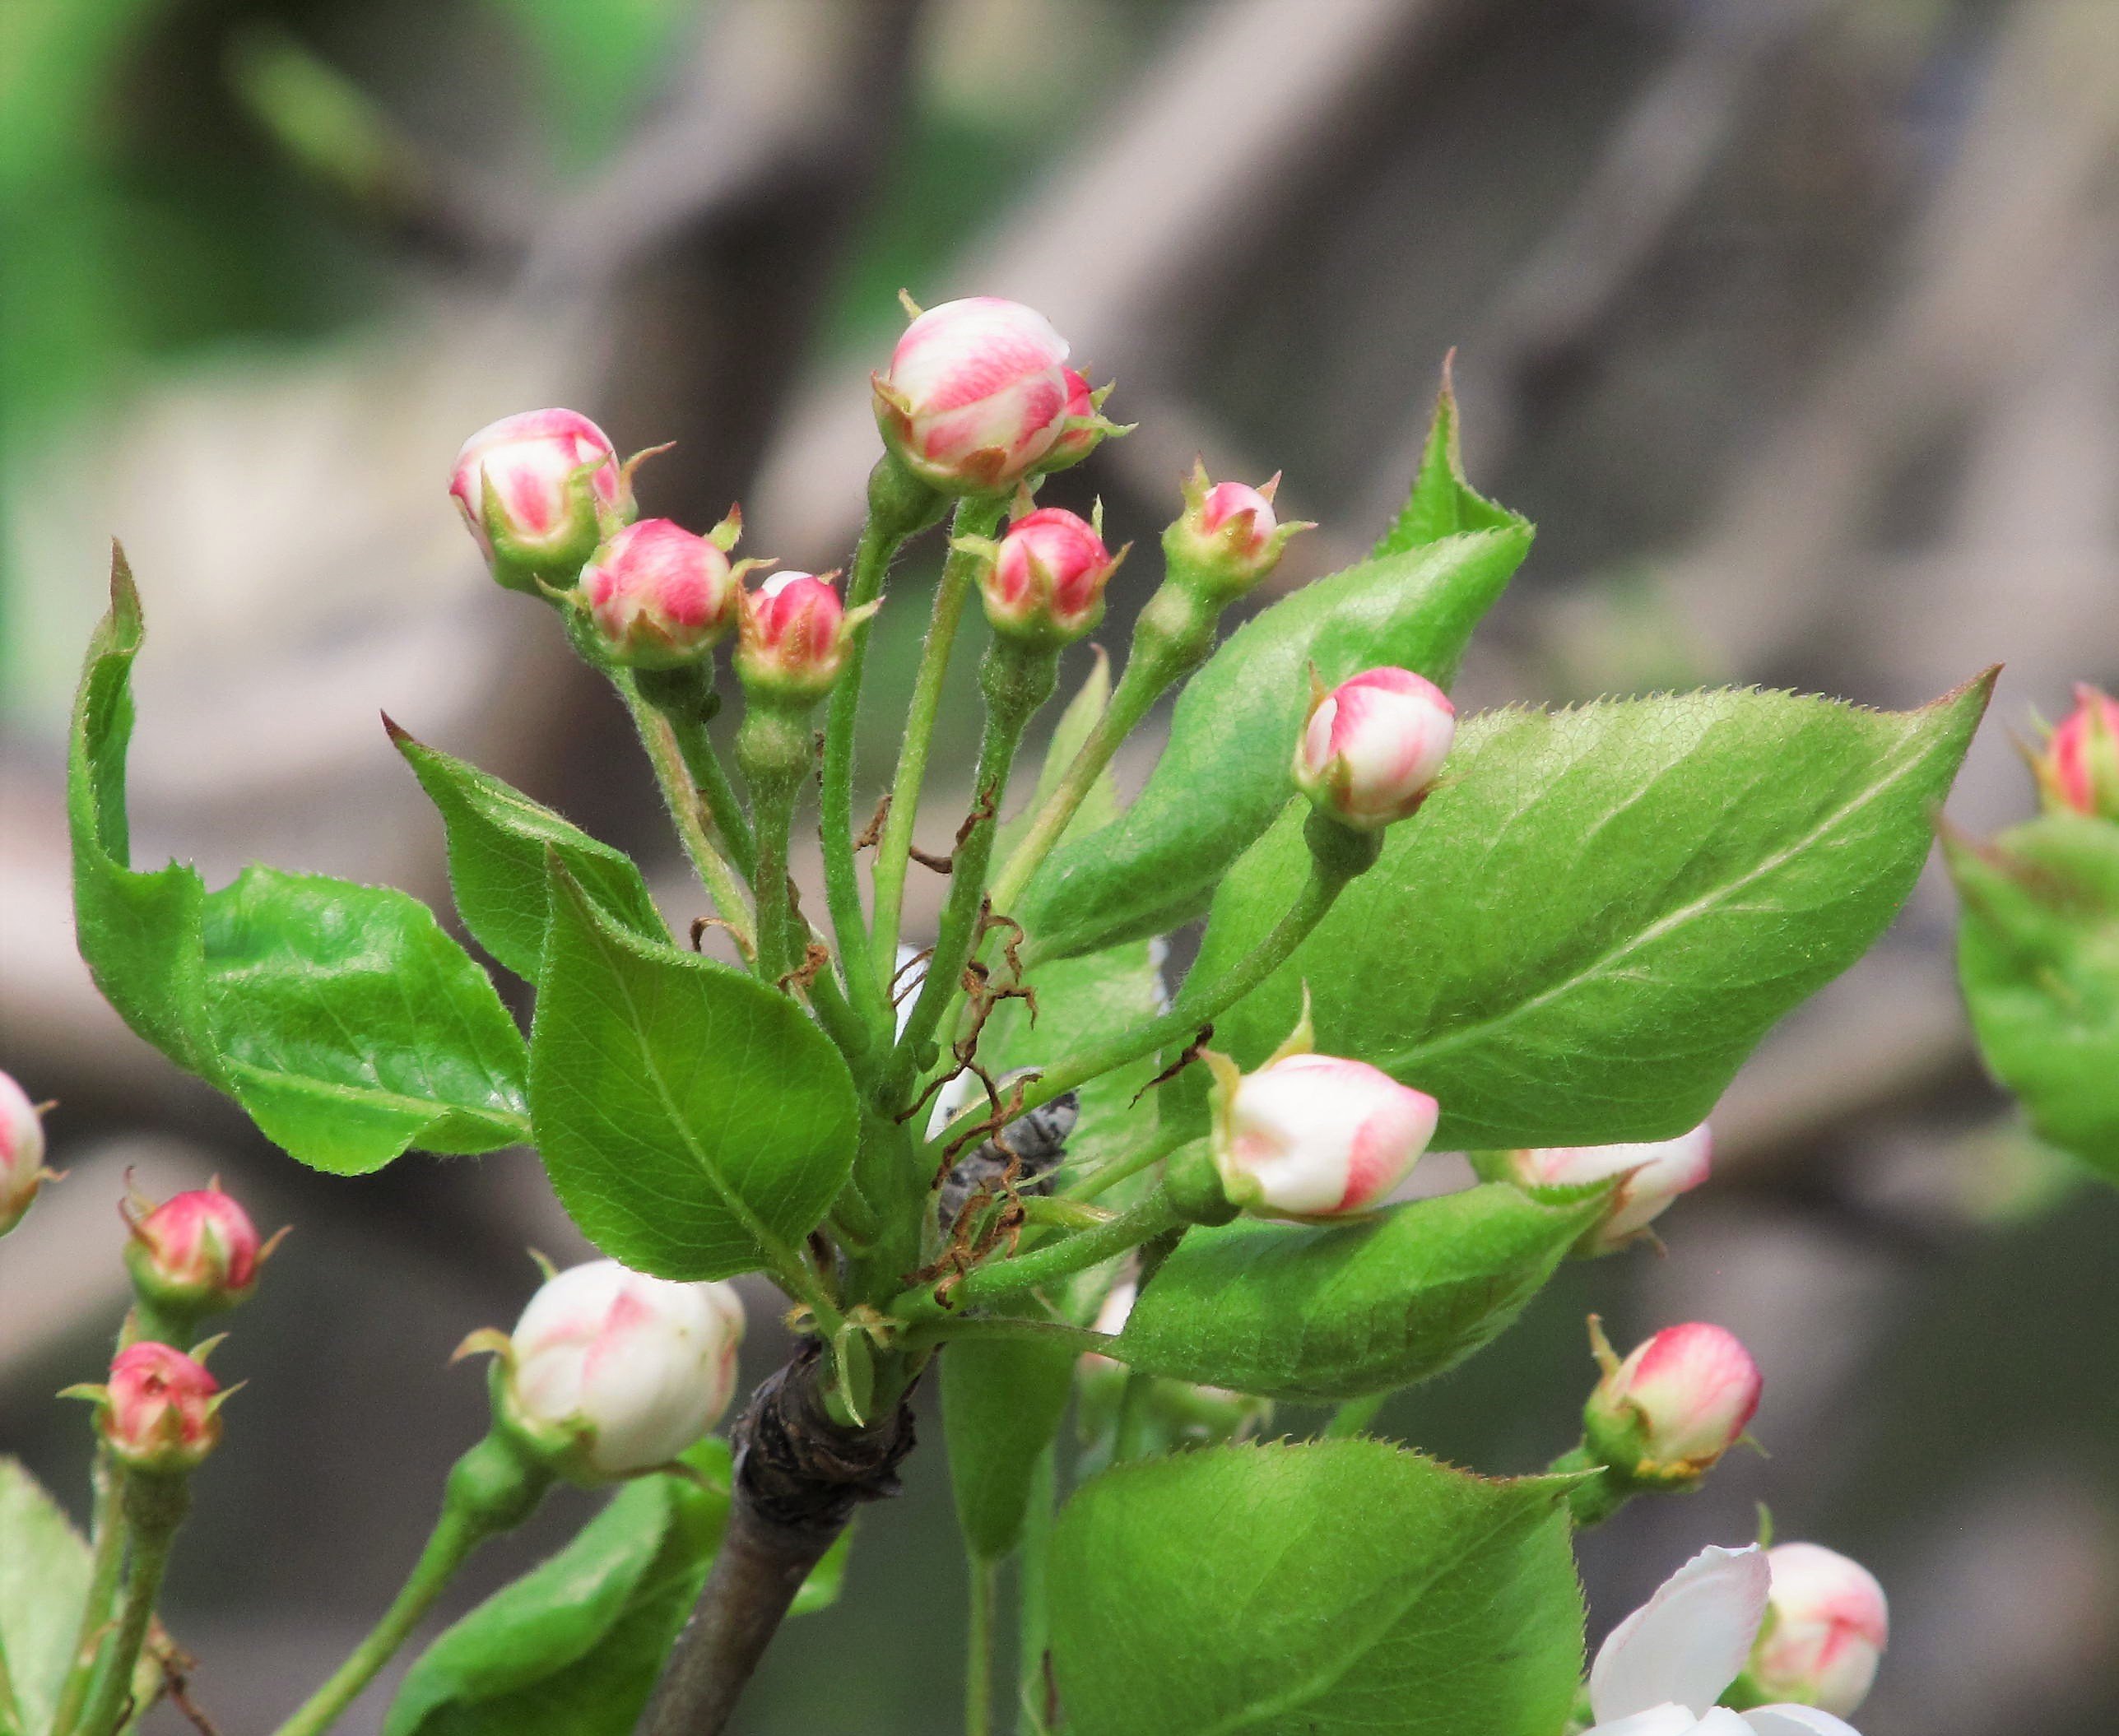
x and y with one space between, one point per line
1354 1416
978 1647
1010 1278
492 1488
730 824
156 1504
681 795
949 1330
1131 1436
1033 1598
1109 1175
108 1527
775 807
977 515
1597 1497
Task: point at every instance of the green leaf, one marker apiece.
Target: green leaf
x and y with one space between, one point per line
497 838
1337 1587
1344 1310
1224 774
44 1577
2037 953
340 1016
1442 502
1001 1403
1599 912
695 1124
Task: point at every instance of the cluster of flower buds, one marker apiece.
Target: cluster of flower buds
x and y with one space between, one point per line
1650 1176
2079 772
1662 1419
22 1169
1827 1626
1227 539
660 597
794 636
1372 746
196 1254
610 1372
161 1409
539 491
1042 583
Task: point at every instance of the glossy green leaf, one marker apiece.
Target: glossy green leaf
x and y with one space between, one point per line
696 1123
1337 1587
1599 912
1442 502
1002 1401
497 838
1338 1311
44 1577
1224 774
2037 953
340 1016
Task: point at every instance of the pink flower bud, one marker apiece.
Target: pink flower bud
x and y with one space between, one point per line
2080 769
976 394
1827 1624
22 1170
1314 1135
1674 1407
794 635
535 495
194 1254
1083 429
1655 1174
1372 746
628 1371
1227 539
660 596
1045 583
161 1411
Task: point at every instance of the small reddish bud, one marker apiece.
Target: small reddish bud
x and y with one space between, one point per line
1372 746
977 394
195 1253
794 634
1044 583
1827 1625
22 1169
1084 428
1226 538
1682 1400
2080 769
538 491
161 1410
1654 1175
660 596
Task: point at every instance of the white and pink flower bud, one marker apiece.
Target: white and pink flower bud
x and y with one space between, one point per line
1315 1135
2078 771
195 1253
1663 1416
1652 1175
1226 538
977 394
538 490
1372 747
621 1371
160 1410
660 597
22 1169
794 635
1827 1625
1044 583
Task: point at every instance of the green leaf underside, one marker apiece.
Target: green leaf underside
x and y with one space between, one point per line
1442 502
1224 773
1338 1311
1001 1403
1599 912
2038 958
340 1016
497 838
44 1577
695 1124
1340 1586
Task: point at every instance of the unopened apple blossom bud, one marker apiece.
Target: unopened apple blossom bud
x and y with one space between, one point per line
1314 1135
538 491
22 1169
160 1410
977 394
793 635
660 597
1045 583
195 1254
1226 538
612 1372
1372 747
1665 1415
1827 1625
1652 1175
2080 769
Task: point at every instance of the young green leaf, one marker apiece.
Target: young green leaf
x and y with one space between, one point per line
2037 953
44 1578
1338 1588
1346 1309
696 1123
1001 1403
1442 502
497 841
340 1016
1599 912
1224 774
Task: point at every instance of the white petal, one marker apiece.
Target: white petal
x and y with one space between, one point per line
1796 1720
1658 1720
1689 1641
